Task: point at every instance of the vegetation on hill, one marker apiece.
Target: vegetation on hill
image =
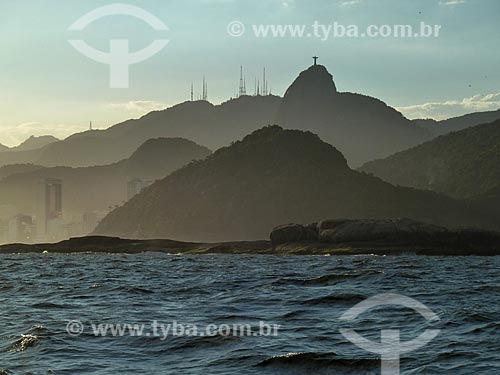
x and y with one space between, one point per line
273 176
461 164
458 123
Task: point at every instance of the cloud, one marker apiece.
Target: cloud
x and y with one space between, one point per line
217 1
138 106
346 3
452 2
452 108
16 134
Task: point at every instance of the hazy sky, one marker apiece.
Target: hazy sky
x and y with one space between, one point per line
47 87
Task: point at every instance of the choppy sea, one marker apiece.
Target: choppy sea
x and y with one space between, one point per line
290 309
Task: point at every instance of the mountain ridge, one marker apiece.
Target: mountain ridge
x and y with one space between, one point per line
270 177
363 128
459 122
99 187
460 164
199 121
33 143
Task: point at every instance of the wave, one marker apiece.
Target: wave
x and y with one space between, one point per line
28 340
199 342
49 305
405 275
319 361
133 290
493 288
23 343
335 298
455 355
329 279
294 314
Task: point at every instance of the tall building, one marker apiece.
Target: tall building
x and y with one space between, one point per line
21 229
49 210
4 232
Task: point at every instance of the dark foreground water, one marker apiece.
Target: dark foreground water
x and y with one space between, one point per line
305 295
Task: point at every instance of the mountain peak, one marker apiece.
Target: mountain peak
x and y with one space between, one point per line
309 98
315 82
160 149
33 142
163 154
283 145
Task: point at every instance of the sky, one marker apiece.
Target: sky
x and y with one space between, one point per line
48 87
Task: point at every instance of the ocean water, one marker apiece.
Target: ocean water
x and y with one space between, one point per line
305 295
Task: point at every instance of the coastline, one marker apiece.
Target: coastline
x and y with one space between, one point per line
100 244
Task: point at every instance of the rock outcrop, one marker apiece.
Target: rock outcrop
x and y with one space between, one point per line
337 231
390 233
357 237
294 233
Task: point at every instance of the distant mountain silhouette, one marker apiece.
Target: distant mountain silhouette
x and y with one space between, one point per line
273 176
27 152
460 164
488 202
361 127
10 157
33 143
97 188
200 121
11 169
458 123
